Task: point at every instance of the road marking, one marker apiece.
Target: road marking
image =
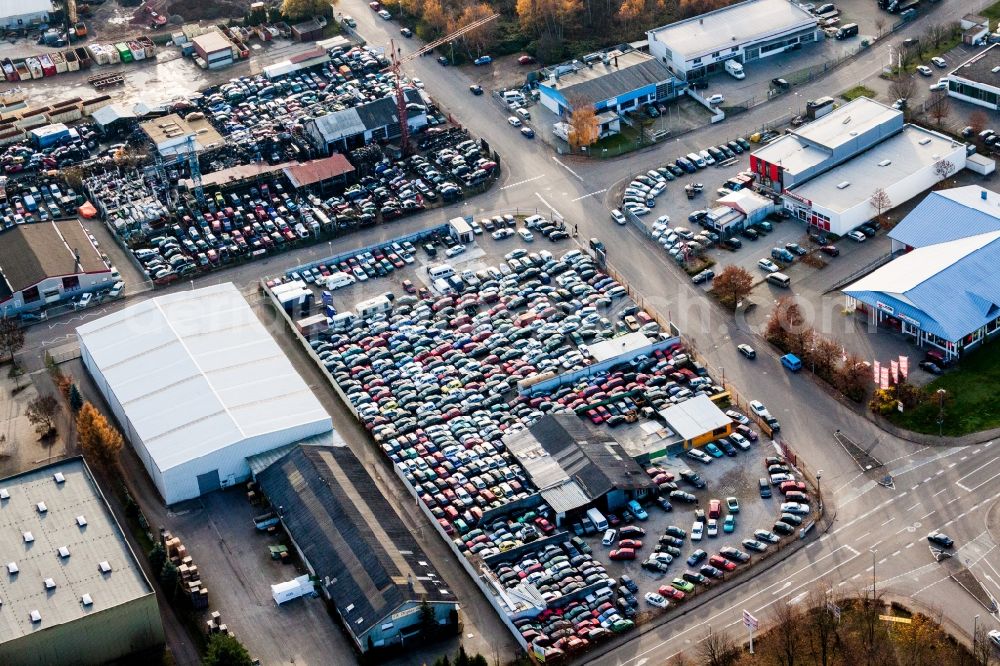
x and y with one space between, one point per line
522 182
926 480
952 465
896 553
981 484
575 174
964 458
798 597
963 487
888 521
939 472
883 560
862 537
590 194
781 589
876 543
914 506
910 545
939 492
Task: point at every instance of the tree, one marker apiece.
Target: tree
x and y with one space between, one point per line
689 8
75 399
977 121
880 201
427 621
823 354
98 438
157 557
482 38
940 107
732 284
169 577
903 86
879 26
225 650
630 10
583 127
295 10
854 377
11 337
786 319
462 658
717 650
41 412
787 634
434 16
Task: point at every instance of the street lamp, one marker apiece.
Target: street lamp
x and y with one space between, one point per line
819 488
975 628
940 395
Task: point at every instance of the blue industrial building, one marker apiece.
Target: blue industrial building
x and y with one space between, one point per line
619 80
944 289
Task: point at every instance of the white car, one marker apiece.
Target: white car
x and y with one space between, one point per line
939 61
637 209
385 15
665 558
942 84
767 266
759 409
736 416
84 300
514 121
697 530
994 636
654 599
618 216
417 82
857 236
716 99
713 527
610 537
455 251
526 235
360 274
924 70
798 508
663 219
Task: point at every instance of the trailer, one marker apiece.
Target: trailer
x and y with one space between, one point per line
72 61
265 520
292 589
102 81
59 60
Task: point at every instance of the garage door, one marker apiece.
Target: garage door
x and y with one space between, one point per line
208 482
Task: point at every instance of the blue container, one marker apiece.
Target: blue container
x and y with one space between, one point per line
330 310
327 298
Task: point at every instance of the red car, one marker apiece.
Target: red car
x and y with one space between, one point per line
790 486
408 287
629 554
630 543
747 432
544 525
525 60
714 508
830 250
671 592
720 562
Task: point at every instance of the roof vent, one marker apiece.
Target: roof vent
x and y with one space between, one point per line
59 478
41 507
995 69
846 120
349 608
28 537
982 195
885 163
4 495
12 568
64 551
81 521
843 185
50 584
35 616
104 566
86 600
924 141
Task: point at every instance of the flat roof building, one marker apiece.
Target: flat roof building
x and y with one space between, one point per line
367 123
173 135
24 14
72 591
366 562
696 421
746 31
617 80
903 166
977 80
45 262
198 385
574 465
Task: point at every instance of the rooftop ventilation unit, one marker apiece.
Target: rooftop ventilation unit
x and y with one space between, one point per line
924 141
50 584
12 568
4 495
63 552
846 120
28 537
81 521
35 616
885 163
86 600
843 185
104 566
58 477
41 507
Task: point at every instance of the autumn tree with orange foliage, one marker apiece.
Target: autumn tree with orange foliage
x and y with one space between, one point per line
482 38
583 127
433 15
689 8
98 439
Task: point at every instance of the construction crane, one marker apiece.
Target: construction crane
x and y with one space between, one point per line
195 168
396 68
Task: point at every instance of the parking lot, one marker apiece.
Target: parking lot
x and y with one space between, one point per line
432 372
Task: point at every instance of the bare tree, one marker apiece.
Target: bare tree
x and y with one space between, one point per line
903 86
982 647
880 202
718 650
940 107
978 120
787 634
879 26
821 624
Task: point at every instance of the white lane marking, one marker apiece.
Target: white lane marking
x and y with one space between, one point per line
590 194
862 536
963 487
911 544
980 485
913 507
927 514
939 492
888 521
522 182
781 589
883 560
575 174
896 553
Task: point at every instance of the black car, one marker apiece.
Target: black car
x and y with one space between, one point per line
698 84
732 244
830 250
703 276
664 504
735 147
781 84
629 584
782 527
747 351
406 32
691 477
941 539
765 488
442 61
711 572
751 234
681 496
696 578
931 367
867 230
655 566
676 170
734 554
795 248
476 89
727 447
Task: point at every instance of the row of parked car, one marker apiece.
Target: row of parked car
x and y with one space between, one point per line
78 145
37 200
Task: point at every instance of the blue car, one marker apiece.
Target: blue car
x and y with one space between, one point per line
696 557
637 510
483 60
713 450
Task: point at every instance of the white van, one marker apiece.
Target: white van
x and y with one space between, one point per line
339 279
695 159
437 271
596 517
523 114
780 279
373 306
442 287
343 320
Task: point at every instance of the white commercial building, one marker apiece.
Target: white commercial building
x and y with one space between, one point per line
746 31
977 80
24 14
198 385
903 165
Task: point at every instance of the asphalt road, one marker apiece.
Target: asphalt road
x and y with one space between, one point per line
947 489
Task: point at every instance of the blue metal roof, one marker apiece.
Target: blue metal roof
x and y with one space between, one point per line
940 218
950 303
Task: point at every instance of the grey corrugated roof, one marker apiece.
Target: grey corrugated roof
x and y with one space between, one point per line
619 81
382 112
573 463
340 124
362 553
258 463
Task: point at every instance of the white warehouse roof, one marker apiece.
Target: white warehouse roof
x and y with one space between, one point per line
695 417
195 372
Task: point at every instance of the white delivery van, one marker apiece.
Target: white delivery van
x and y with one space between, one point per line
343 320
735 69
442 287
339 279
440 271
596 517
373 306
